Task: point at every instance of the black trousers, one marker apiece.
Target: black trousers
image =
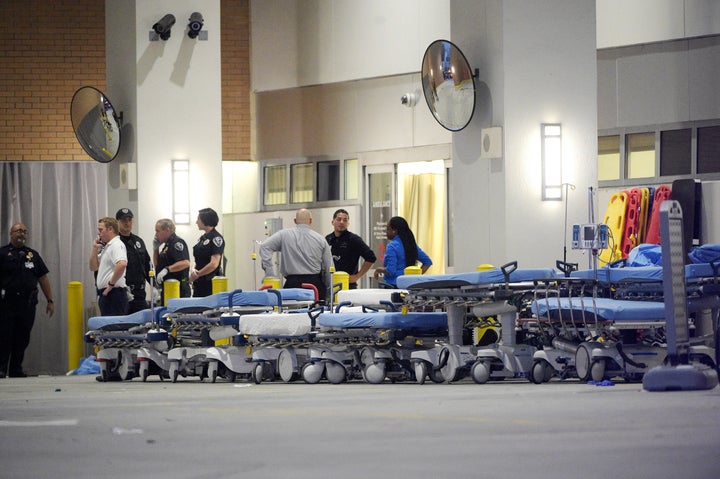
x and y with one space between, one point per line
114 304
17 317
297 280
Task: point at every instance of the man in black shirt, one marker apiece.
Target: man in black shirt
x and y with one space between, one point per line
138 261
21 270
347 248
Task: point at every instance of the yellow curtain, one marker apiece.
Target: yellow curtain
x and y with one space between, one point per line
423 206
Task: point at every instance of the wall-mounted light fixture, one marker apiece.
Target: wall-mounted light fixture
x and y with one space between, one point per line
551 138
161 28
195 24
181 191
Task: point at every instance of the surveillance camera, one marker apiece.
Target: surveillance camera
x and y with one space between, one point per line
409 99
195 24
163 26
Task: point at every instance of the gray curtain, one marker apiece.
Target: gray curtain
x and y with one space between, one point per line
60 203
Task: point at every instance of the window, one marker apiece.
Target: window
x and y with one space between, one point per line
609 158
640 149
659 153
352 179
675 152
275 185
708 150
328 180
301 183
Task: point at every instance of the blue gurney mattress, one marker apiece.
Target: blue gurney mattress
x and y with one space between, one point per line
607 308
493 276
607 275
123 322
221 300
387 320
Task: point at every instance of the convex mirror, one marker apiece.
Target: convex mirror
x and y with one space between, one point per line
95 123
448 85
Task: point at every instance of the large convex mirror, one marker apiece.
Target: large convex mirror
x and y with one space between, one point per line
448 85
95 123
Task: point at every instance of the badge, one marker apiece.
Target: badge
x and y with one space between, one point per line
29 265
29 256
204 243
138 246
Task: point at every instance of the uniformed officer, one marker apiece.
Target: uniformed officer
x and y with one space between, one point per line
208 253
347 249
21 270
138 258
172 258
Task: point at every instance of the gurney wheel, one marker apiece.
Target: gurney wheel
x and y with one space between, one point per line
582 362
421 372
597 370
480 372
539 372
257 372
174 371
436 376
375 373
126 369
312 372
144 370
335 372
286 365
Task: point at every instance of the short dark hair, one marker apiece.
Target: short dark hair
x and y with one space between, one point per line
341 211
209 217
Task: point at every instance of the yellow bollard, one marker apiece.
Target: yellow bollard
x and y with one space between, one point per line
273 281
219 284
413 270
75 323
171 289
343 278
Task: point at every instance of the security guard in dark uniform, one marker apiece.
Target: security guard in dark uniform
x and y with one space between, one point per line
173 259
347 249
21 270
208 253
138 261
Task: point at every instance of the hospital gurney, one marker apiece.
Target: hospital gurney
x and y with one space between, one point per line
474 301
198 322
374 345
615 325
118 339
359 341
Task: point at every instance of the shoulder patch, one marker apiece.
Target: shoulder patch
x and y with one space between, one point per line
218 241
179 246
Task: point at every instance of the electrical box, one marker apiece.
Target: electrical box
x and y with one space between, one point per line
272 225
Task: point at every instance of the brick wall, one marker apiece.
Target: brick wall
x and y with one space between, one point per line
235 42
50 49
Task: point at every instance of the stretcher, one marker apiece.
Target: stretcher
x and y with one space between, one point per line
612 321
476 302
197 323
117 340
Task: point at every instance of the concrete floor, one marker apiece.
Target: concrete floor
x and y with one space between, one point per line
72 426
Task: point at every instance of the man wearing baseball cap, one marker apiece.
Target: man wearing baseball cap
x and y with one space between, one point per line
138 260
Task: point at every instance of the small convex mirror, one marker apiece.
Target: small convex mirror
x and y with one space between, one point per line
448 85
95 123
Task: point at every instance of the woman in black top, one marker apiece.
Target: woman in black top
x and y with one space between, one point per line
208 253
